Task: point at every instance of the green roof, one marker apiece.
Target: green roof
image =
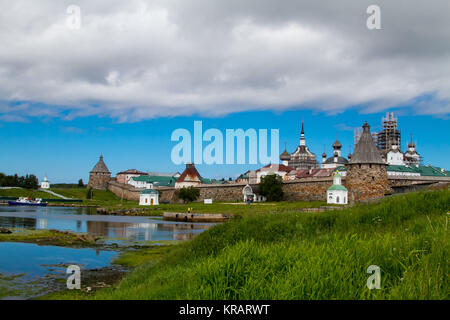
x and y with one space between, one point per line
398 168
142 178
425 171
341 168
149 191
212 181
429 171
163 181
337 187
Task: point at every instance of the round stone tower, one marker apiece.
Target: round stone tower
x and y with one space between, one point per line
366 170
99 176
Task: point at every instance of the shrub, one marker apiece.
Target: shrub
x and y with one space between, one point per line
271 187
89 193
189 194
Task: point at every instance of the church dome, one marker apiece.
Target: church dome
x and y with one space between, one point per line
337 145
285 156
340 160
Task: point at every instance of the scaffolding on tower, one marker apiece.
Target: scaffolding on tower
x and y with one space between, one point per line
390 134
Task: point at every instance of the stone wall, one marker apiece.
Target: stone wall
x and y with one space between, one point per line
124 191
366 181
99 180
307 189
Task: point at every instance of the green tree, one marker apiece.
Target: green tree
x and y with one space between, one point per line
80 183
89 193
189 194
271 187
30 182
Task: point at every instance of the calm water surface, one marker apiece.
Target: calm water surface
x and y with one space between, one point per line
79 220
27 270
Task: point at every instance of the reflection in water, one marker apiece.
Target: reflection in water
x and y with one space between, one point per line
31 268
79 220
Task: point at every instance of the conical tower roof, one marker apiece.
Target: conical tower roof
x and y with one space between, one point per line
365 150
100 167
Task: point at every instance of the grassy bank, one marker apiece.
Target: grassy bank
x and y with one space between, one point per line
237 209
306 256
50 237
110 202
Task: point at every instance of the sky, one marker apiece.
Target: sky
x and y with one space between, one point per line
136 70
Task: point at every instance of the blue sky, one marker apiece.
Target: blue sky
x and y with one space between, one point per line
67 150
69 93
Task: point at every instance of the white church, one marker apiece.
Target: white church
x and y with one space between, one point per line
337 193
149 197
45 184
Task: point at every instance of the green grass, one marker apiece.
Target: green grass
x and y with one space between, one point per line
101 197
146 255
108 200
17 193
237 209
296 255
49 237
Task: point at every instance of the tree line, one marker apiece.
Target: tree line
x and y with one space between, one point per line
29 181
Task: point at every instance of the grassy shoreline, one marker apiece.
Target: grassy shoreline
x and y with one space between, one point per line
51 237
292 255
110 204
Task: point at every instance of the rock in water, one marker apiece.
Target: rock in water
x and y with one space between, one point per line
5 231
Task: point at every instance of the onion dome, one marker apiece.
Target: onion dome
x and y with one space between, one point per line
337 145
285 156
324 155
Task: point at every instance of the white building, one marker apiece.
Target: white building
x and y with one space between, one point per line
336 160
411 156
278 169
189 178
149 197
337 193
395 156
141 182
251 194
45 184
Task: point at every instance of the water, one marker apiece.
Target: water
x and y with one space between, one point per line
28 270
80 220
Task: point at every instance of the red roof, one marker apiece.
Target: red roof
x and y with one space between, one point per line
134 171
191 173
278 167
317 172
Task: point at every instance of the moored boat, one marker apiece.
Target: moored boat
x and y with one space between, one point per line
27 202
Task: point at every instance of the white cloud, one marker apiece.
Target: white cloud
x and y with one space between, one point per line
138 59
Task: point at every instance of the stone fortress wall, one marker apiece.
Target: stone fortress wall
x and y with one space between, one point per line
308 189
